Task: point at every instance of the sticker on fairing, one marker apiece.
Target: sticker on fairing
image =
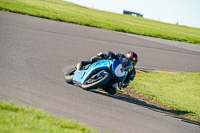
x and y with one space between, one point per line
119 71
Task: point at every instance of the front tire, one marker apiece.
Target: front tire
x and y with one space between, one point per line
69 76
94 85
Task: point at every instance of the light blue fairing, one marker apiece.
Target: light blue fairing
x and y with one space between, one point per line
83 75
119 75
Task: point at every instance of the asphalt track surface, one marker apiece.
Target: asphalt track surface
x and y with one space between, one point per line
35 54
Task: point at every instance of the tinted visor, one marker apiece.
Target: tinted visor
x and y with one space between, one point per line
127 64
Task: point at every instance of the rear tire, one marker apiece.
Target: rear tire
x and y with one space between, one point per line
104 80
69 76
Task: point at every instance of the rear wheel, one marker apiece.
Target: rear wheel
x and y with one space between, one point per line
70 75
95 82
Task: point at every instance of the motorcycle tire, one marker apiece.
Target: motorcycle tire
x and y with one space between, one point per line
104 80
69 76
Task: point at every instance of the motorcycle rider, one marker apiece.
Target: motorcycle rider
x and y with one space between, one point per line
128 62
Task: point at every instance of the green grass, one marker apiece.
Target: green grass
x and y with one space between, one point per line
179 91
72 13
20 119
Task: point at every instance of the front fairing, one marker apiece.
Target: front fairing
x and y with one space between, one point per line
81 76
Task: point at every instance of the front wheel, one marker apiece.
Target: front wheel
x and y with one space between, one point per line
69 76
95 83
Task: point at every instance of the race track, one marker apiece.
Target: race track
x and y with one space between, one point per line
35 54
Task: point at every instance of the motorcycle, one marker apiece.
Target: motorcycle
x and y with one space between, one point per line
101 74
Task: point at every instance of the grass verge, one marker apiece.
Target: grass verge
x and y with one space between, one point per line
72 13
178 91
20 119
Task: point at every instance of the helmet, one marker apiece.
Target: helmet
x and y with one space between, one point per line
132 56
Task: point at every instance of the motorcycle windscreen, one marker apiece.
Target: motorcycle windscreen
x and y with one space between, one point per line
120 74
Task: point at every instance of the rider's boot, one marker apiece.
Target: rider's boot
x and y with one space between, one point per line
83 63
79 66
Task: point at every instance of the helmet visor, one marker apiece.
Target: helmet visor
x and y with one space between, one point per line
127 64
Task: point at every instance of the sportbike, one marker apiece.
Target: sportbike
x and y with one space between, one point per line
101 74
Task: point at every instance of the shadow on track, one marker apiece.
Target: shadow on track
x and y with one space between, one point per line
127 98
